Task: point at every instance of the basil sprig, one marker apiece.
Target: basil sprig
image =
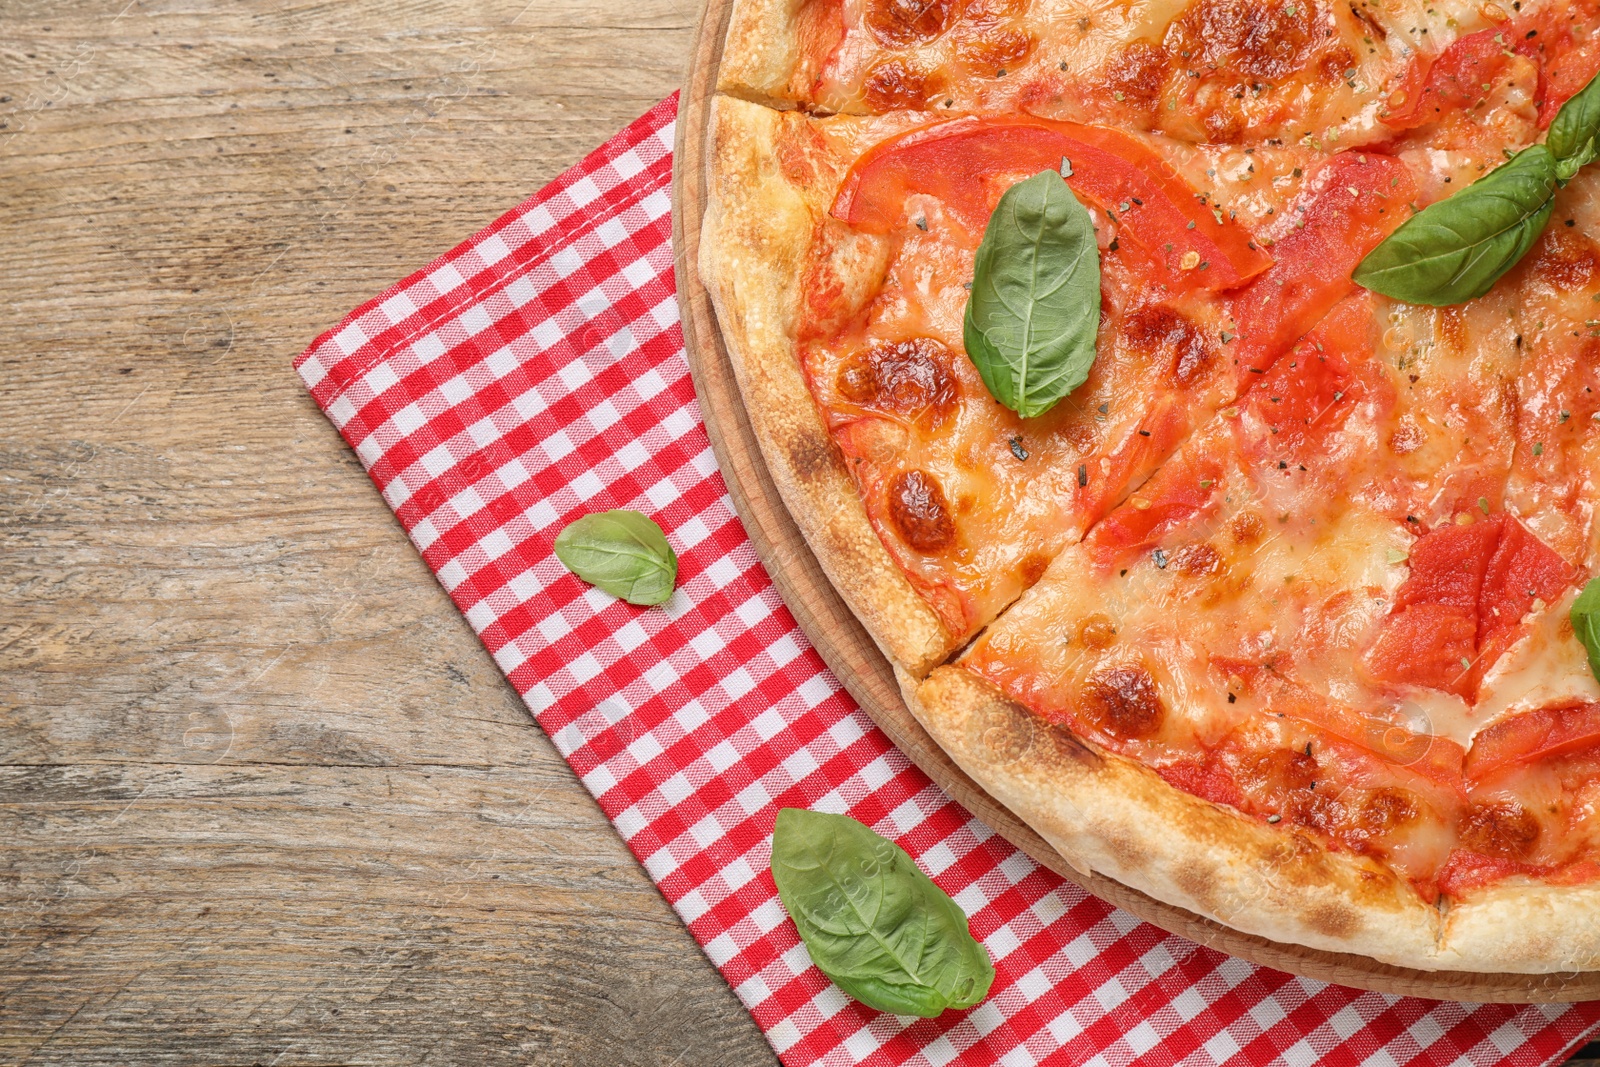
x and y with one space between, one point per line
622 552
1456 249
1586 622
1035 306
1574 131
872 922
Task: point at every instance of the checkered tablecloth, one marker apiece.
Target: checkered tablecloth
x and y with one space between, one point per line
536 373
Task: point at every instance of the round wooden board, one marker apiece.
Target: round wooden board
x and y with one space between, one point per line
866 673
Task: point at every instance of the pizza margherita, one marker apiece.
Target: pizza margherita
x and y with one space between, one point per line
1250 583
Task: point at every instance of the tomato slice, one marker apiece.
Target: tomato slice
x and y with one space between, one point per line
1460 78
1162 429
1182 488
1522 570
1430 637
968 163
1354 201
1437 759
1535 735
1565 76
1310 393
1463 603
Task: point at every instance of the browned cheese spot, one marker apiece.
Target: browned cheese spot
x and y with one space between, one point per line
920 512
1167 336
1286 770
1246 39
1123 702
896 85
1138 71
1033 567
1246 528
1318 810
1566 260
1334 62
990 49
1288 777
1386 810
1500 828
1196 559
983 45
903 377
907 22
1097 632
988 11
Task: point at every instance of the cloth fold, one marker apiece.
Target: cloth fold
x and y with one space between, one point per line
536 373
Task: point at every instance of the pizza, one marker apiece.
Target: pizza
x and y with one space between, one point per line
1253 582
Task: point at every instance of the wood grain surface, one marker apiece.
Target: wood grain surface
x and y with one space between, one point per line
263 797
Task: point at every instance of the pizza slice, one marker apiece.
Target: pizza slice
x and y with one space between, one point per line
839 252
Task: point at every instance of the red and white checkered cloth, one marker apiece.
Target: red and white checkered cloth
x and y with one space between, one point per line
537 373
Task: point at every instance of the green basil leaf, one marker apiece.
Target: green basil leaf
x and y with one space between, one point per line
873 923
1586 622
1573 133
622 552
1456 249
1035 306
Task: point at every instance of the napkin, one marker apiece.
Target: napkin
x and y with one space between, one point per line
536 373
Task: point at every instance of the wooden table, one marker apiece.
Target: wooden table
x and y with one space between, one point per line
263 797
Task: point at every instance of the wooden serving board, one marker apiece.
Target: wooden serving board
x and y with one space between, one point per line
864 671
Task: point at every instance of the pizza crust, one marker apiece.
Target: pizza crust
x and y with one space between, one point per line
754 246
1107 814
761 51
1525 928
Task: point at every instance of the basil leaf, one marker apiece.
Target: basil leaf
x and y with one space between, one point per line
1573 133
622 552
1456 249
872 922
1586 622
1035 306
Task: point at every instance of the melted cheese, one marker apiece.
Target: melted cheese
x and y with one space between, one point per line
1547 668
